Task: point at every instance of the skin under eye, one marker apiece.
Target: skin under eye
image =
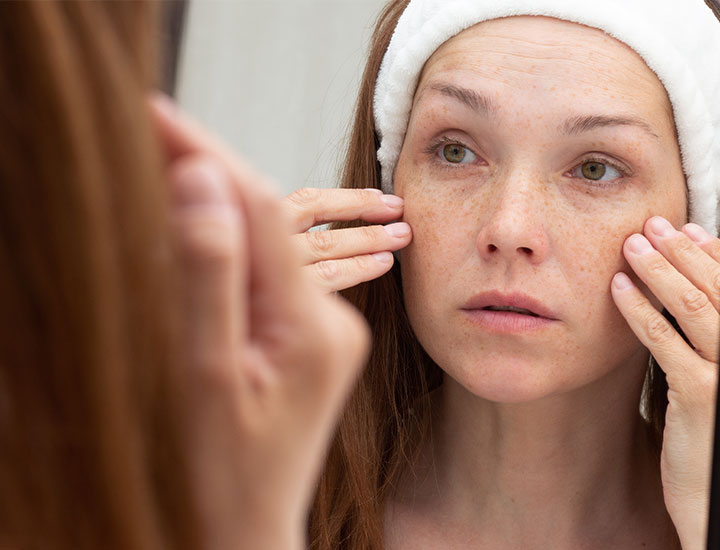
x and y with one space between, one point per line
595 170
455 153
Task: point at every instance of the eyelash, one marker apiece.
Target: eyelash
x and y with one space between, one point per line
434 147
445 140
624 172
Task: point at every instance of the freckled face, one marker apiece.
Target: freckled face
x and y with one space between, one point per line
535 147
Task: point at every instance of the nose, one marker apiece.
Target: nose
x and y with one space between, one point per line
514 228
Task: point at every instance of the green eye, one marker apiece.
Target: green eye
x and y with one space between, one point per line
455 153
593 170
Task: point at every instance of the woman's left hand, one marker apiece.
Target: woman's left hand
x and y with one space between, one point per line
681 269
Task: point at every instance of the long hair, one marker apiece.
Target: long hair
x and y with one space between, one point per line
388 415
91 438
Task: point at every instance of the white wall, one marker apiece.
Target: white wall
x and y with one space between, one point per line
277 79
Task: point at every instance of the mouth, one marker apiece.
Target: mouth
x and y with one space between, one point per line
511 309
499 305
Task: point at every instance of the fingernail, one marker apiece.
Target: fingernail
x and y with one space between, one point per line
661 227
400 229
383 257
622 281
393 201
639 244
697 233
199 182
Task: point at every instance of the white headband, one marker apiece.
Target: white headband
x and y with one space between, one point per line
678 39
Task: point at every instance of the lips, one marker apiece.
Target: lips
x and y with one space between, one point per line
517 303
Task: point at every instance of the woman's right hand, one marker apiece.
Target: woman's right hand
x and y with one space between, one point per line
341 258
272 358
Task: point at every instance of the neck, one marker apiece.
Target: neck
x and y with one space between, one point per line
563 469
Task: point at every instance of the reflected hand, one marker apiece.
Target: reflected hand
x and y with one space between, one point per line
341 258
272 358
682 269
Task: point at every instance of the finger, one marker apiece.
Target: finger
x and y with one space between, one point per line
316 246
673 355
271 258
334 275
689 259
309 207
690 306
211 249
710 244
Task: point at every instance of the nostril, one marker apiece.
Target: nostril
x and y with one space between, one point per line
526 250
492 248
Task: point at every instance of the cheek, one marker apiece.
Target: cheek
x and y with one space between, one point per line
440 238
589 246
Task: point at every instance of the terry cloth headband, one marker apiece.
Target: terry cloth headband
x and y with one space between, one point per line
679 41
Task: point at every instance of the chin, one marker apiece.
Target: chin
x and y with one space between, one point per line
512 379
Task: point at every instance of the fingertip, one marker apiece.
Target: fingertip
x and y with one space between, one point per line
162 104
392 201
622 282
638 245
398 230
696 233
384 257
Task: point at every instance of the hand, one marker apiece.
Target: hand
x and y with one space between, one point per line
272 358
682 269
342 258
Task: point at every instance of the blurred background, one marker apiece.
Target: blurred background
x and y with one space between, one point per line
277 79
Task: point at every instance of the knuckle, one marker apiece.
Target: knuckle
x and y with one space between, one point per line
299 207
658 265
715 282
321 242
304 197
362 263
694 301
363 196
714 249
328 270
657 328
685 246
206 239
698 388
368 233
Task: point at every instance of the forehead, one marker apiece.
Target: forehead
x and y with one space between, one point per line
548 62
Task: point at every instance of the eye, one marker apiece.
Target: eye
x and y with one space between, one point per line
596 171
455 153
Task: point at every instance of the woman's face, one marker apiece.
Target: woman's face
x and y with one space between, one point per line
535 148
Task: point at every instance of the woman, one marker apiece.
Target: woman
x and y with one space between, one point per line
167 377
545 169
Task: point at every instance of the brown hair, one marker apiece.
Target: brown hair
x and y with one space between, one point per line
91 438
388 415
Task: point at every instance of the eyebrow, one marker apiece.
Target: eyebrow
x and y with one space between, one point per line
573 126
577 125
471 98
